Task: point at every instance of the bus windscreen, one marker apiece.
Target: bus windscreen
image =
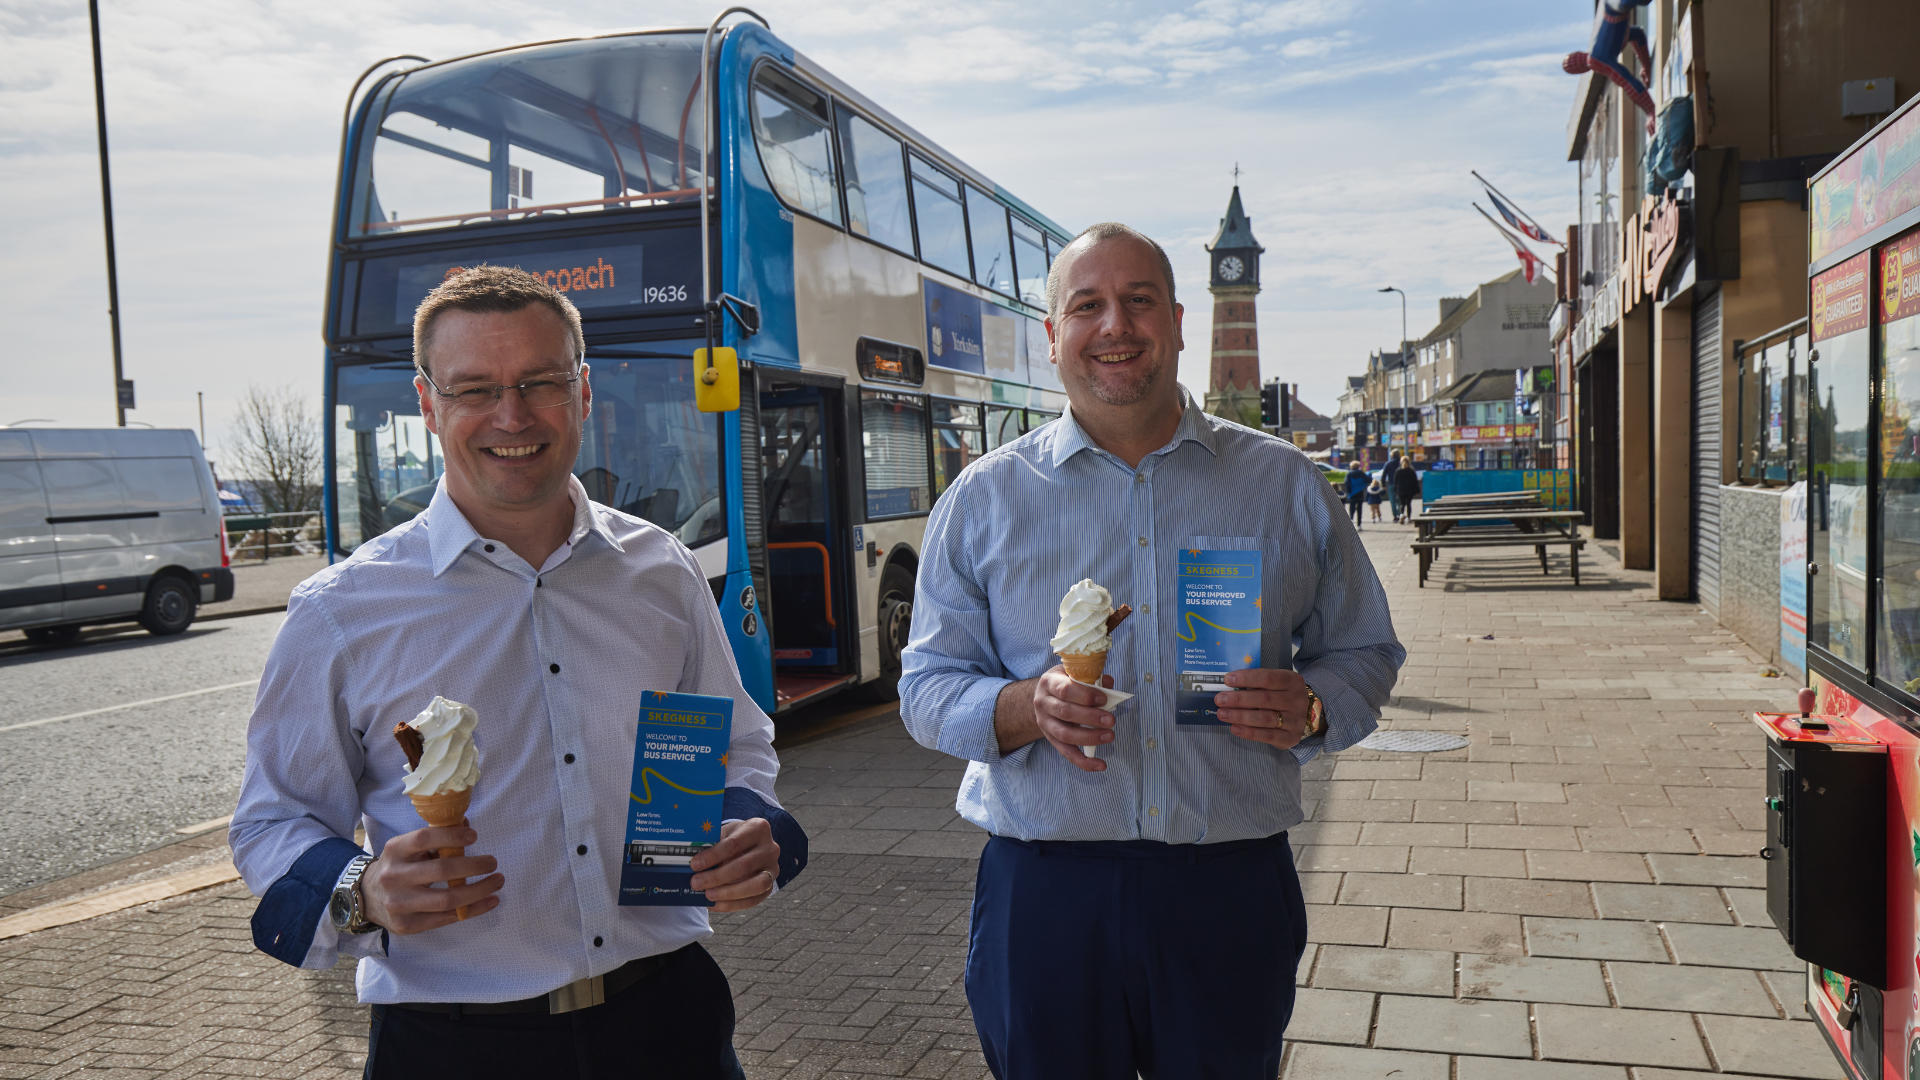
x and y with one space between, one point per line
558 130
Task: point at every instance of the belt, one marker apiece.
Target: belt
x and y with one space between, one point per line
579 994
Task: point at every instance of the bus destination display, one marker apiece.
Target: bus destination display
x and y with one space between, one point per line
600 277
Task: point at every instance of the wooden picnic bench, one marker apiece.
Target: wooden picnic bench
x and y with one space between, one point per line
1502 519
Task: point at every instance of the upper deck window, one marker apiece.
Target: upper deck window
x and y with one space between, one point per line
939 218
1030 261
992 255
876 183
548 130
790 123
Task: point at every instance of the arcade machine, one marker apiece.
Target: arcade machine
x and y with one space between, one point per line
1843 770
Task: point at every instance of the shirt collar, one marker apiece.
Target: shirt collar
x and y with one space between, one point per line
1194 425
449 533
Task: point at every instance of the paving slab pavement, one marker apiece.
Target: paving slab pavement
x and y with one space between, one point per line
1467 913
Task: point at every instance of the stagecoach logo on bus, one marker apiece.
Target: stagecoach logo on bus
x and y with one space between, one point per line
599 277
674 802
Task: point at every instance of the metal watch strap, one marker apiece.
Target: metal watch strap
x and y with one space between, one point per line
349 884
1316 715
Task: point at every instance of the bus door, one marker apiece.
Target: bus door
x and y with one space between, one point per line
803 470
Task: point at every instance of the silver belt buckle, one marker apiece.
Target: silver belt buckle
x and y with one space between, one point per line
579 994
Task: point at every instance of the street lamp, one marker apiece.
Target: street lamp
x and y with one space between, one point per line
1403 351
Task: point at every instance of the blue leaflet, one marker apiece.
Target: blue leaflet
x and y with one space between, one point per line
1219 628
674 805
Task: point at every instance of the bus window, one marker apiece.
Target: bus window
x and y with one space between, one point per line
386 462
790 126
1003 426
939 219
876 174
893 439
1030 263
1036 417
647 451
958 438
992 257
598 122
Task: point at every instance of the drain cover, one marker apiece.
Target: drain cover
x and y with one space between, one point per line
1412 742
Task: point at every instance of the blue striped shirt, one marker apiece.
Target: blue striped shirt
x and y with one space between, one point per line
1023 523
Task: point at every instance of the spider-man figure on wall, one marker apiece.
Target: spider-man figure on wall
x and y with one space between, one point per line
1617 30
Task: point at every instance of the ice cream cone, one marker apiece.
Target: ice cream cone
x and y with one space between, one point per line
1085 667
442 810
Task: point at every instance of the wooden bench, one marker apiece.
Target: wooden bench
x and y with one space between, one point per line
1499 526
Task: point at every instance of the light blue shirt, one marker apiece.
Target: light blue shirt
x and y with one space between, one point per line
554 660
1022 524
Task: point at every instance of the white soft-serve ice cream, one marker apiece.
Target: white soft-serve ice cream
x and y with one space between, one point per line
448 760
1083 620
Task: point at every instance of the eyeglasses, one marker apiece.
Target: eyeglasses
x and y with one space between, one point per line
540 392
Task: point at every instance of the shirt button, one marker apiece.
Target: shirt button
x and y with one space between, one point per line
1149 676
555 668
596 943
489 549
581 850
1143 541
568 759
1139 478
1153 744
1153 811
1146 609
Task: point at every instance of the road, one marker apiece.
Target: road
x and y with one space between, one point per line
97 787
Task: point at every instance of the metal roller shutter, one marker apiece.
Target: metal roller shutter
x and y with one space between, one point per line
1708 380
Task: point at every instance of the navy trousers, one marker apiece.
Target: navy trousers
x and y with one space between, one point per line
1103 960
675 1024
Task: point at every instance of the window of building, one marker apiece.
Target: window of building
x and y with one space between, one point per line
939 220
876 183
893 438
958 438
992 253
790 125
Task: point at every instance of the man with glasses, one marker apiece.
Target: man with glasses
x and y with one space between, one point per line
550 615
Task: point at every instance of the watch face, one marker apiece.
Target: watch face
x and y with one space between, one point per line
1231 268
341 911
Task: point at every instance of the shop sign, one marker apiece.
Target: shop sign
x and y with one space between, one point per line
1874 185
1663 239
1649 240
1900 279
1438 436
1839 301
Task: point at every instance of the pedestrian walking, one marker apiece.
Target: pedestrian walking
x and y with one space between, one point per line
1097 947
1406 488
1392 469
550 615
1376 491
1357 484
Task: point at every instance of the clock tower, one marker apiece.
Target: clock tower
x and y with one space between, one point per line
1233 390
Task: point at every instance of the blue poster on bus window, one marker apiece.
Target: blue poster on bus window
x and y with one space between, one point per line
966 333
1219 629
674 801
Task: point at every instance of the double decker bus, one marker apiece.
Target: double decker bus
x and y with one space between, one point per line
884 299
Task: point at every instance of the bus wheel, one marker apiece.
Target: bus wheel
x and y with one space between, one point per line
169 607
896 625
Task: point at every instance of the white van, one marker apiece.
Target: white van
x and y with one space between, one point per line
106 525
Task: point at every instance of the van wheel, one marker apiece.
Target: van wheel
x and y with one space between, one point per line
896 628
53 635
169 607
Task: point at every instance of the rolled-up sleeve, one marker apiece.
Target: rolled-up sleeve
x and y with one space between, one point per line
1347 650
950 674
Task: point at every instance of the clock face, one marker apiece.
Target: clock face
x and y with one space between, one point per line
1231 268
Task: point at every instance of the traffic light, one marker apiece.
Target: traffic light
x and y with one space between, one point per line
1276 405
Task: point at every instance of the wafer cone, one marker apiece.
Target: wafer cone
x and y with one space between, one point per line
1085 667
444 809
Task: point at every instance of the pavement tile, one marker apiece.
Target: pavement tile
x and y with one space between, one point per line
1372 858
1307 958
1594 939
1750 906
941 845
1523 836
1338 924
1589 866
1691 989
1442 1025
1682 903
1330 1016
1740 873
1619 1036
1528 897
1400 971
1475 862
1449 931
1515 791
1771 1047
1482 1068
1533 978
1730 843
1678 841
1412 834
1314 1061
1447 810
1419 789
1403 890
1320 888
1405 768
1363 810
1755 947
1569 814
1324 833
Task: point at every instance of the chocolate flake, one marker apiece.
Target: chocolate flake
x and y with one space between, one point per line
411 743
1119 616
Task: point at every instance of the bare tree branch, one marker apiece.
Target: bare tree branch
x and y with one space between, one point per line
275 442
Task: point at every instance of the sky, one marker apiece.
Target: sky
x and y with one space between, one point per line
1353 123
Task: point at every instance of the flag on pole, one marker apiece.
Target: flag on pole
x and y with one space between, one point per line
1530 262
1516 217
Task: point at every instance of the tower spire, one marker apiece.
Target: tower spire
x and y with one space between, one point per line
1233 388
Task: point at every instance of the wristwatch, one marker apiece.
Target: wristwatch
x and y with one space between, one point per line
1316 715
348 907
